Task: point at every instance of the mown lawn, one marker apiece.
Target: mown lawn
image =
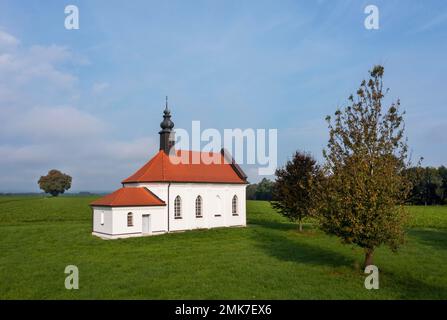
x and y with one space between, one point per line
269 259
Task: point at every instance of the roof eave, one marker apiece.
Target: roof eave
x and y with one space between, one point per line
179 181
127 206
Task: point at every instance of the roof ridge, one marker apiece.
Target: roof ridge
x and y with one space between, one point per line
198 151
229 157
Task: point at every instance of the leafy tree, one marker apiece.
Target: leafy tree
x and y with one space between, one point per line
427 185
260 191
296 187
365 158
251 191
264 190
55 182
443 174
415 177
431 186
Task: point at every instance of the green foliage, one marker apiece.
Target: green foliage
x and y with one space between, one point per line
429 185
442 171
296 187
260 191
55 182
268 259
365 159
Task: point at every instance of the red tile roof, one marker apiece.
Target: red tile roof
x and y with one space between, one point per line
165 168
129 197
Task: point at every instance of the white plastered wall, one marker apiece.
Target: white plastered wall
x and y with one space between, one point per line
216 199
115 222
102 225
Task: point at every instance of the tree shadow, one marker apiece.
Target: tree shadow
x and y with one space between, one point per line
273 237
284 226
431 237
408 287
278 245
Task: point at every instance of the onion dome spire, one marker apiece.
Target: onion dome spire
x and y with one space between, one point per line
167 138
167 124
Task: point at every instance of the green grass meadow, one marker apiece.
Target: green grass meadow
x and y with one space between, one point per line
268 259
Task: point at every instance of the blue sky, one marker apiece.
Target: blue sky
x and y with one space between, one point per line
89 101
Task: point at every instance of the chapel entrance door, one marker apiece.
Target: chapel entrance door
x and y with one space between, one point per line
146 224
219 220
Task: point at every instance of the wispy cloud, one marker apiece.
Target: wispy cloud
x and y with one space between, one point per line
7 40
437 21
41 130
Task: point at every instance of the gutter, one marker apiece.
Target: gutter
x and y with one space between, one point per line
168 204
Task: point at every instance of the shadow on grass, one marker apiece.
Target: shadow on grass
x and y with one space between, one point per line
274 242
430 237
284 226
274 238
408 287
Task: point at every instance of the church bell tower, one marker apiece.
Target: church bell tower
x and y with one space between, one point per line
167 134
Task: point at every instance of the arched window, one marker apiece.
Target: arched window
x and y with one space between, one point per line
199 207
178 207
130 219
234 206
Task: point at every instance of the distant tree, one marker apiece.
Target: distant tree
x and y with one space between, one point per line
250 192
365 159
427 185
296 187
442 171
415 177
264 190
55 182
260 191
431 186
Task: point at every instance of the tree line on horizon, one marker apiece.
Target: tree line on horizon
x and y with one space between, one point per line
428 187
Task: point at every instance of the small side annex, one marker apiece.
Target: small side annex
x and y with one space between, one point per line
128 212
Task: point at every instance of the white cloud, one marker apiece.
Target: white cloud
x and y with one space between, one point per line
7 40
34 75
53 123
20 67
43 129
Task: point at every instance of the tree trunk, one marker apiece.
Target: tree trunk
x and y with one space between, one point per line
300 225
369 257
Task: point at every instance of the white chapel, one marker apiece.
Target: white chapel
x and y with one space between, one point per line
170 194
